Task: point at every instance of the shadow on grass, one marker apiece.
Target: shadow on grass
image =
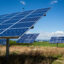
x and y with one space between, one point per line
26 59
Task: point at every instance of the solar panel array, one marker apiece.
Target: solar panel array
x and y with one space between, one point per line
16 24
27 38
57 40
2 41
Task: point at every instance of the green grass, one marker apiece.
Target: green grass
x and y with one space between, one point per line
12 42
45 44
48 44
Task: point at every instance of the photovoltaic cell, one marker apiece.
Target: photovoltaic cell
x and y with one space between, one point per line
27 38
57 40
18 23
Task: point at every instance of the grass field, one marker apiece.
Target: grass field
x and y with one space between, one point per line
36 53
44 44
48 44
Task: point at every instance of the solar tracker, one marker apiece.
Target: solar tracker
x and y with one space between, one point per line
27 38
2 41
57 40
16 24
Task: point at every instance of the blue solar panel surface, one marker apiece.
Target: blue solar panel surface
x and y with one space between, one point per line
27 38
2 41
16 24
57 40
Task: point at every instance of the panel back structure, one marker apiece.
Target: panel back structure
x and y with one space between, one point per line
27 38
57 40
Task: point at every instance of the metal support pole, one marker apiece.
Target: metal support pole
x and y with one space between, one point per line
7 48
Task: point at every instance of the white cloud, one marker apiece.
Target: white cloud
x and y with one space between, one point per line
47 35
54 2
22 2
58 33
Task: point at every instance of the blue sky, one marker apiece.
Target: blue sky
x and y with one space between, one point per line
52 23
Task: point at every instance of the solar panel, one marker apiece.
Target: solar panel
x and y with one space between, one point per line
2 41
57 40
27 38
17 24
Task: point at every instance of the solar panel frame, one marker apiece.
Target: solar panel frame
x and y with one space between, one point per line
24 18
